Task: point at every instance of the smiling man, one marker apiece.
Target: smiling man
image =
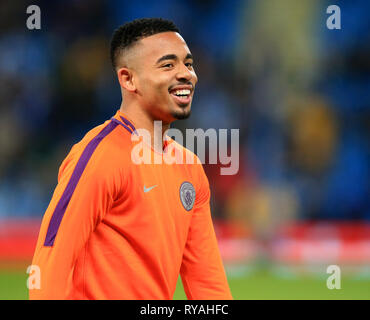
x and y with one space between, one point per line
118 230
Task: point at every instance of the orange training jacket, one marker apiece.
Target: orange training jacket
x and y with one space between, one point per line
118 230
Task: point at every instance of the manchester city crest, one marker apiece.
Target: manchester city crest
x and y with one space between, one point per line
187 195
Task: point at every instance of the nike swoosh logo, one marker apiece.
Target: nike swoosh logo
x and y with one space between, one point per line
148 189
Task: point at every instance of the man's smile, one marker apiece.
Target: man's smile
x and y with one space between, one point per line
182 94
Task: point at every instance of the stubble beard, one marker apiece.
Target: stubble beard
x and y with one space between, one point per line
181 115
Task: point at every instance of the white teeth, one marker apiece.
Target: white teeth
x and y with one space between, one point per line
183 92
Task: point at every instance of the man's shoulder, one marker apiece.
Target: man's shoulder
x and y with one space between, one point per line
105 144
109 134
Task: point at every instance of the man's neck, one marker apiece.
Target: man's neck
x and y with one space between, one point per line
142 120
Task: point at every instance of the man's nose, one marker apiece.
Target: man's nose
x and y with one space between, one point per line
184 73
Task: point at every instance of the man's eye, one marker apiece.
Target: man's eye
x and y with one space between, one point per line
189 65
168 65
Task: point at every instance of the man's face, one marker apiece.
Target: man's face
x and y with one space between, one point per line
164 76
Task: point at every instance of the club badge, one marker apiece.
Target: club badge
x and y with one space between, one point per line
187 195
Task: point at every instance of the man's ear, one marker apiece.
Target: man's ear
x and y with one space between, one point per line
125 78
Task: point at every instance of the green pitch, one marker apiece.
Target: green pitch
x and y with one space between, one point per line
254 285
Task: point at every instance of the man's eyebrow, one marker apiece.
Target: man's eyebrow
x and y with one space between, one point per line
189 56
167 57
173 57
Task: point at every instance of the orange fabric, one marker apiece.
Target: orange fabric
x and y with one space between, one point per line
116 241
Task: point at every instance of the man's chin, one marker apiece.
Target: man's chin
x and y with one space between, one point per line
181 114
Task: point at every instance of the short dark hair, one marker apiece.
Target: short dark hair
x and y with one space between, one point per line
127 34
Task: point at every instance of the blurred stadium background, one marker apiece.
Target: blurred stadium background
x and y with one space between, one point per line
298 92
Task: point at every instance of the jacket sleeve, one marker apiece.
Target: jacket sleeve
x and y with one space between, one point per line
73 213
202 271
